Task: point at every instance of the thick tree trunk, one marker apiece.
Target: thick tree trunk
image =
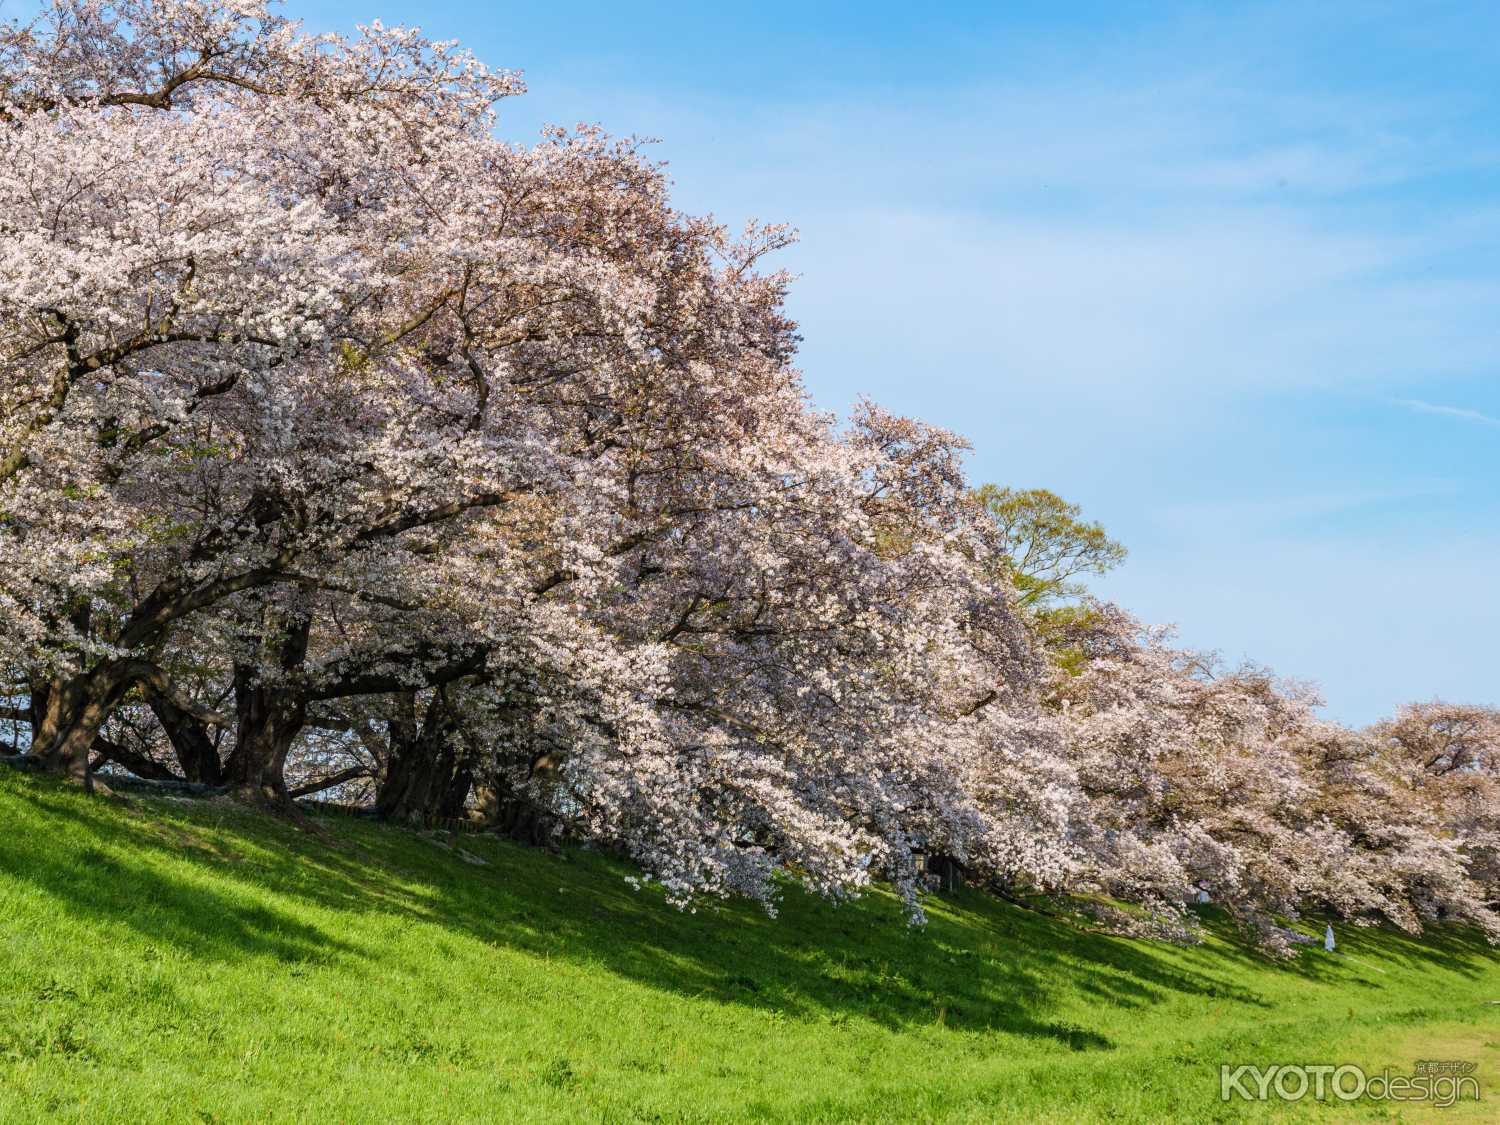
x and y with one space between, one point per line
427 776
69 712
196 753
41 698
520 813
514 816
455 795
268 719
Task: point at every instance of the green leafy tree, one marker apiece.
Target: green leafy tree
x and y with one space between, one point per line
1049 547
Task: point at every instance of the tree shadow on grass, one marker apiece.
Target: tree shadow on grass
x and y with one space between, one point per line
82 870
1458 950
214 872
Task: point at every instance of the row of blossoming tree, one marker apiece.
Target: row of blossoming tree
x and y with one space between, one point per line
347 448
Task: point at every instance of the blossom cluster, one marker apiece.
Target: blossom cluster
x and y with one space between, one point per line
346 447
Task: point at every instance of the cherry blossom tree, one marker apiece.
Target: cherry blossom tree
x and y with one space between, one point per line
1194 776
345 444
320 392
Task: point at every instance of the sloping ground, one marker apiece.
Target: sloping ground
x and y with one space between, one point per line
192 961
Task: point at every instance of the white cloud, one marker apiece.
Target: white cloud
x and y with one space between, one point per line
1136 241
1464 413
1155 275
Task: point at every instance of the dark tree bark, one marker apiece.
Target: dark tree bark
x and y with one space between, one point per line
428 774
197 754
514 816
268 719
137 763
515 810
36 711
69 712
309 788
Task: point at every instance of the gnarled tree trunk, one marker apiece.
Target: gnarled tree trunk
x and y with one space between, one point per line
516 808
268 717
197 754
427 774
513 815
68 712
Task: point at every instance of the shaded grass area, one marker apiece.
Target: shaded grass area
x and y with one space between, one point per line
194 961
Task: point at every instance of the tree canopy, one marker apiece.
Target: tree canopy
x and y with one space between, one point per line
345 447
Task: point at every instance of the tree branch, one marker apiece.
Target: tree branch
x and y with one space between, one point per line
329 782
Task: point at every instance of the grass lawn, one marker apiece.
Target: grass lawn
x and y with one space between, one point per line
165 960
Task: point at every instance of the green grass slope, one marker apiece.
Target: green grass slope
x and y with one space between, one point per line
193 961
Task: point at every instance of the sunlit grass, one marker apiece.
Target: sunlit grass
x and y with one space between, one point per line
193 961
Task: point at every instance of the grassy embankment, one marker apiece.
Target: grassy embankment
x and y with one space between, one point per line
193 961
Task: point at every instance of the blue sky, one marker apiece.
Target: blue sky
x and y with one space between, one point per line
1226 275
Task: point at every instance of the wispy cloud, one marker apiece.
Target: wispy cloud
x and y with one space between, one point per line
1164 265
1460 412
1220 520
1138 240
